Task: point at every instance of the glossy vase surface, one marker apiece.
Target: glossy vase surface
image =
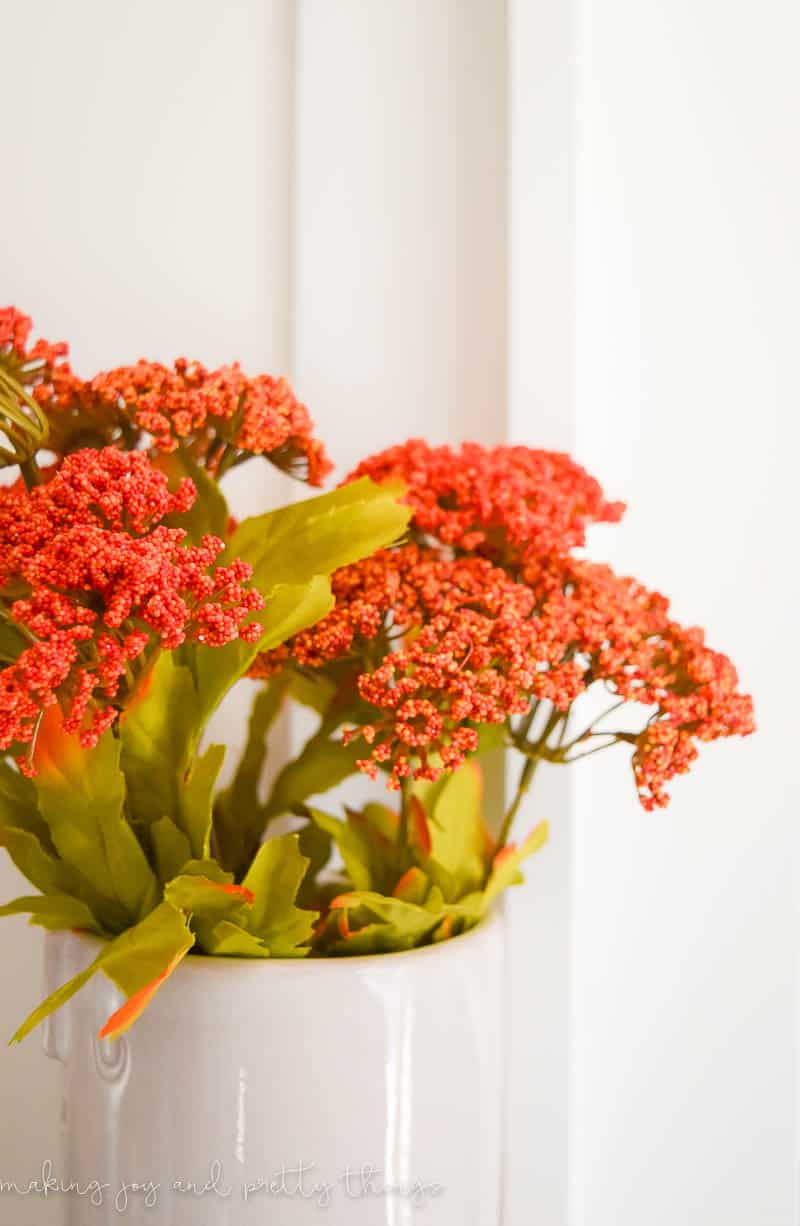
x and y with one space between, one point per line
363 1091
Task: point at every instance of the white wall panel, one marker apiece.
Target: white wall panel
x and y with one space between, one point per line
688 198
144 208
399 304
541 413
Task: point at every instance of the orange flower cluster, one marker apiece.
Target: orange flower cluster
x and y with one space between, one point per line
90 577
613 630
219 417
464 654
440 641
28 362
505 503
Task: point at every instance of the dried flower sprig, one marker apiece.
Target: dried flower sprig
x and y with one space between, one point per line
505 503
441 642
90 578
219 418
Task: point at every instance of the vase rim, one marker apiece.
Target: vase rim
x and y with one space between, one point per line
216 963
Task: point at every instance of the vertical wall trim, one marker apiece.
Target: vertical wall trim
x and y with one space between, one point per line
541 299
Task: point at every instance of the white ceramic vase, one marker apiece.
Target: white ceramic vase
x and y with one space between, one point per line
362 1091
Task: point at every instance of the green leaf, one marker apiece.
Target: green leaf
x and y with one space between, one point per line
44 871
84 779
171 848
138 962
403 925
200 896
18 804
275 877
12 642
370 839
292 551
351 844
81 794
241 798
316 845
413 886
159 734
505 869
490 737
322 534
54 1002
207 868
197 799
457 833
209 513
131 878
382 821
289 609
230 940
323 764
314 691
54 912
238 816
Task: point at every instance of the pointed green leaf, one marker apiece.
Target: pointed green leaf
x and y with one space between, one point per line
505 870
275 877
171 848
56 911
207 868
209 513
316 845
381 820
206 898
131 878
242 797
197 799
18 803
289 609
376 826
314 691
350 843
323 763
457 833
12 642
413 886
293 551
137 962
322 534
54 1002
44 871
229 940
159 734
81 794
403 925
238 814
137 957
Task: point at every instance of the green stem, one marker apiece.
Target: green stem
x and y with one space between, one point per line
227 460
525 779
405 800
617 738
31 473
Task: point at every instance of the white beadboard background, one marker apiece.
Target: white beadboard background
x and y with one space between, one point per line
573 224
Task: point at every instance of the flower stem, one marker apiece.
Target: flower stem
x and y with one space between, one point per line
31 473
525 779
405 796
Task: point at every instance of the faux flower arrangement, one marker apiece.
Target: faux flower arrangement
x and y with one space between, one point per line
430 608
